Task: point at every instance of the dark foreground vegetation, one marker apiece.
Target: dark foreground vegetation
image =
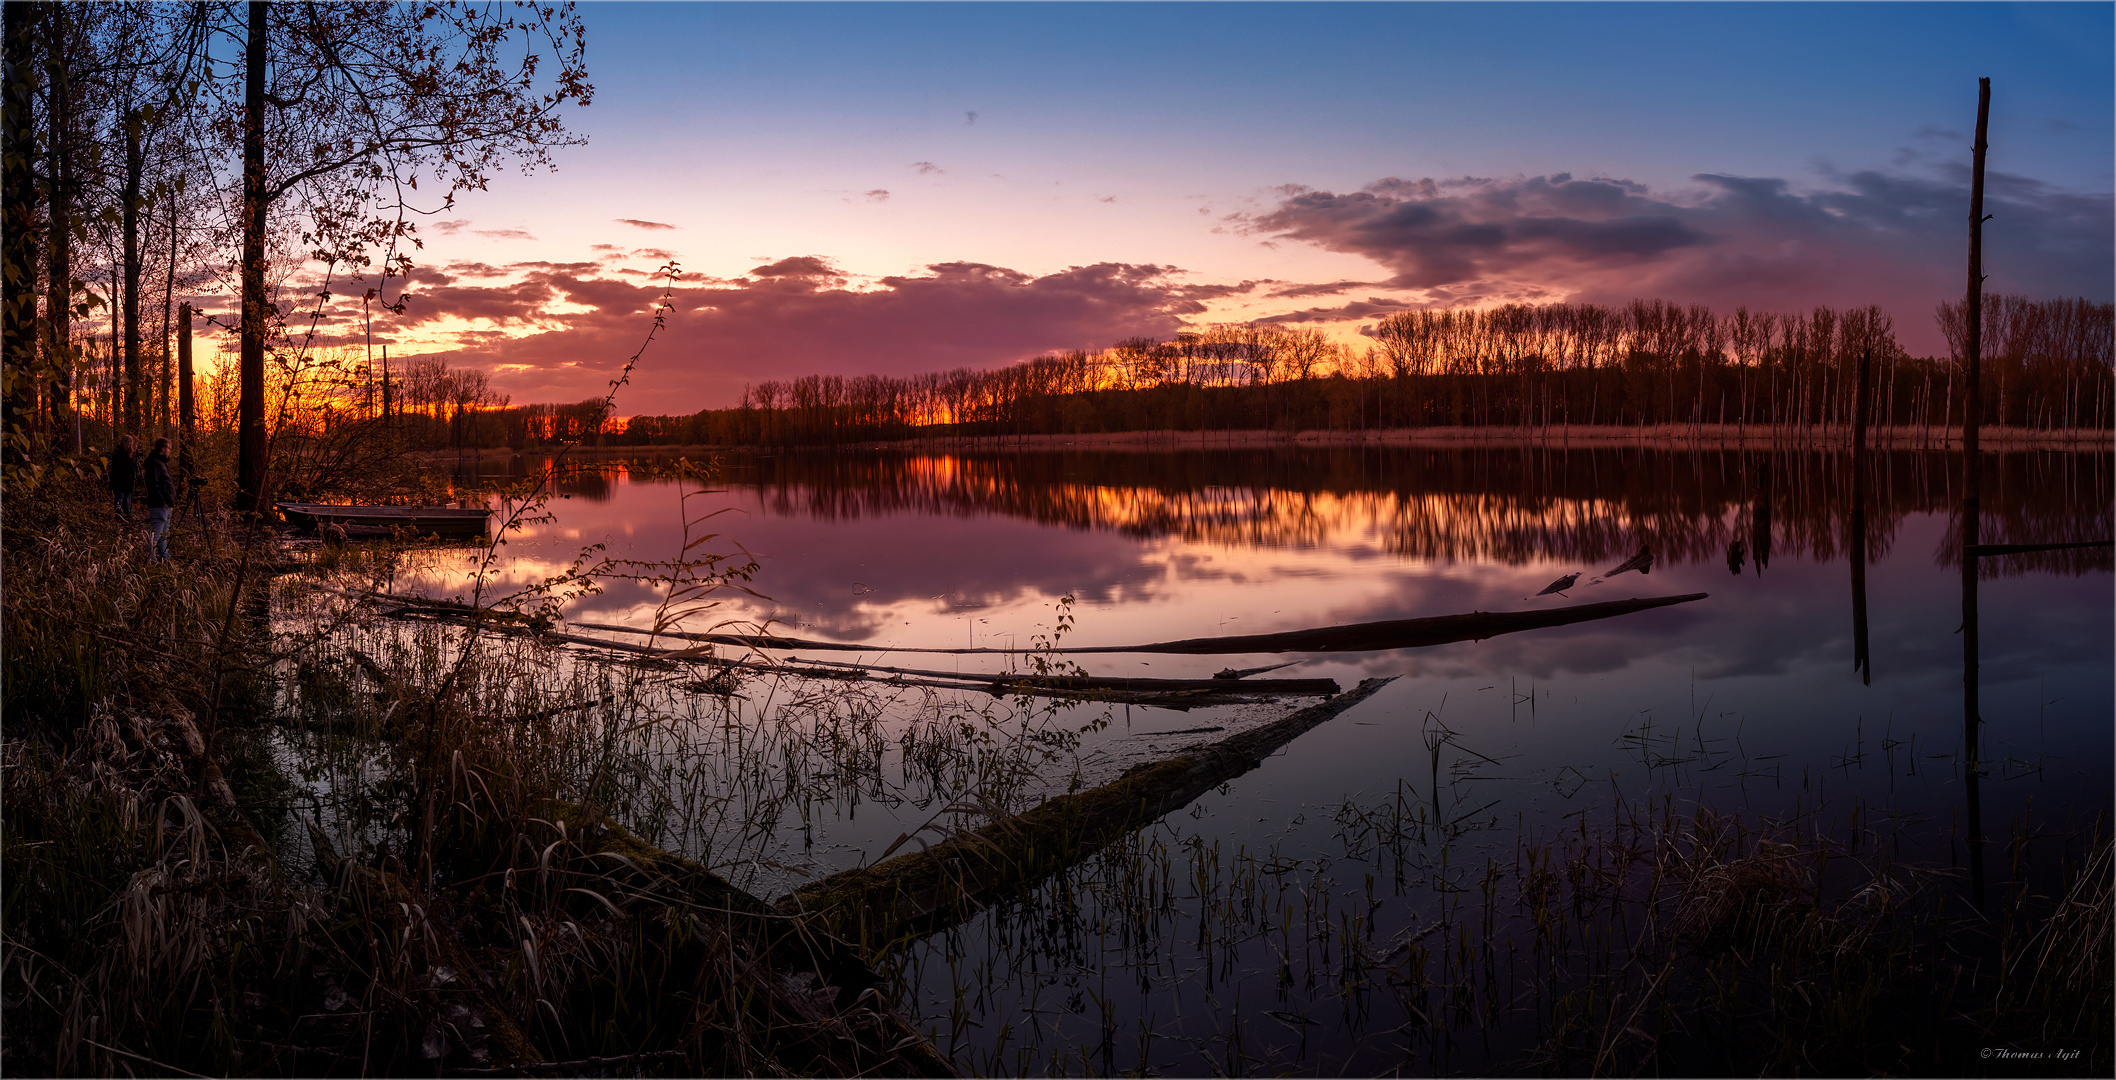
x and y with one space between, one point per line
172 905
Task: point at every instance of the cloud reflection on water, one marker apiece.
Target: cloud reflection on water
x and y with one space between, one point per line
941 551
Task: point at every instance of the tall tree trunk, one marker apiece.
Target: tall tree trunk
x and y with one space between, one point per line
165 382
18 253
58 291
129 225
250 410
185 404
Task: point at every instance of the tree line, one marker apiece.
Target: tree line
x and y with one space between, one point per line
2047 364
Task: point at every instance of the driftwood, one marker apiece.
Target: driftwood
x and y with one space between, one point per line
2023 549
1018 682
877 906
1243 673
1178 694
1318 687
1641 562
387 893
776 946
622 1065
561 710
1404 633
1355 637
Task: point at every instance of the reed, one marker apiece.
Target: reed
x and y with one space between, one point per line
1648 936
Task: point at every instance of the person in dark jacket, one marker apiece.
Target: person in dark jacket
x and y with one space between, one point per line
161 499
124 468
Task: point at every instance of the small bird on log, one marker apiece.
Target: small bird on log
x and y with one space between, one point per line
1560 585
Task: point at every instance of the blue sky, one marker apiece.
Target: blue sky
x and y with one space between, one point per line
1193 144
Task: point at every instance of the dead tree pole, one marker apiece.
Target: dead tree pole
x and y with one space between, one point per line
185 403
1862 656
1972 491
139 410
250 408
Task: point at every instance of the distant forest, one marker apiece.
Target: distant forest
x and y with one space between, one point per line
2046 364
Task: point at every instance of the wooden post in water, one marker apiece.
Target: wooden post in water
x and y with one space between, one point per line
1862 656
1972 490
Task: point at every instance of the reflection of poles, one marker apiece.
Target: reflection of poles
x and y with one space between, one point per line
1760 517
1862 658
1972 492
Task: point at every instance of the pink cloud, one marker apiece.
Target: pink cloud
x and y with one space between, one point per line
795 316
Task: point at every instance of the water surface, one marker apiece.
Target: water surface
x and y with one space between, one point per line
1751 702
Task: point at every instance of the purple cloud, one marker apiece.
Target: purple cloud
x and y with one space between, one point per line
1884 238
1330 288
638 224
796 316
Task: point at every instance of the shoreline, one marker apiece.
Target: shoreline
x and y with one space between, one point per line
1557 437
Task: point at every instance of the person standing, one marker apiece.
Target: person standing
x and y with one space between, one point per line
124 469
161 500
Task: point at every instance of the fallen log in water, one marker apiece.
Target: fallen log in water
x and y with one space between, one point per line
852 1032
1354 637
389 894
1019 682
1087 683
2026 549
877 906
1403 633
1165 693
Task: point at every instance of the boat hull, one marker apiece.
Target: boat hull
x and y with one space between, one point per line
379 520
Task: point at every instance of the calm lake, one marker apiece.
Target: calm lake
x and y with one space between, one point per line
1375 827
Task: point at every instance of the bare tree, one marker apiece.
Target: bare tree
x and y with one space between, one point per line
347 106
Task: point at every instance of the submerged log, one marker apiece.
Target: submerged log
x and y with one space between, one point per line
1354 637
1405 633
2025 549
851 1032
389 894
1086 684
878 906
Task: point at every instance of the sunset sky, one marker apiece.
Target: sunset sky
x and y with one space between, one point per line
901 188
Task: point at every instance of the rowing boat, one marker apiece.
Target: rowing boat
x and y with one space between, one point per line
425 520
